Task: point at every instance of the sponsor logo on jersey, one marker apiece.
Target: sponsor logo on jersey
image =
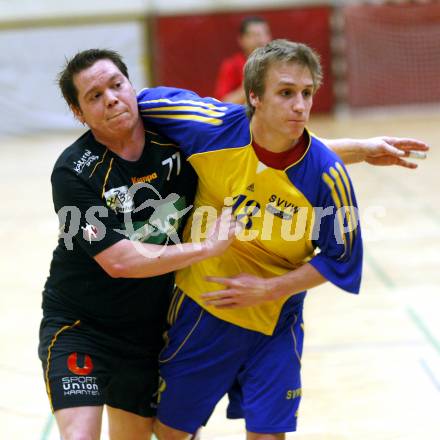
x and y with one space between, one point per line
119 199
278 213
251 187
162 225
80 386
145 179
293 394
281 208
85 369
86 160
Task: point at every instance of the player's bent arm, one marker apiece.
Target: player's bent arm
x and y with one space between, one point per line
128 259
246 290
304 278
382 150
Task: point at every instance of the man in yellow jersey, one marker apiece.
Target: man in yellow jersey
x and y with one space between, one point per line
237 318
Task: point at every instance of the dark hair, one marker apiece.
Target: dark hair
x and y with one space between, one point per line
247 21
278 51
81 61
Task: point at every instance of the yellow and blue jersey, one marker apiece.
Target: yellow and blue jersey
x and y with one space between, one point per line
304 213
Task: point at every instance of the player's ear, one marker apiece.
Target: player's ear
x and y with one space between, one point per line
78 114
253 99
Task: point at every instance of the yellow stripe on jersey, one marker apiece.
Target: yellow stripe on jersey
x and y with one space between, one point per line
331 184
186 101
106 177
163 145
219 150
98 163
151 132
347 212
195 118
348 186
49 355
183 108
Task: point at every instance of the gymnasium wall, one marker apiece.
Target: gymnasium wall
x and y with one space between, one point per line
11 11
188 49
31 58
373 54
37 36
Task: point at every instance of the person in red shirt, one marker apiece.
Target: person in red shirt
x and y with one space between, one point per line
254 32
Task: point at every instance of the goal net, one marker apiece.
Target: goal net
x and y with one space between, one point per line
392 53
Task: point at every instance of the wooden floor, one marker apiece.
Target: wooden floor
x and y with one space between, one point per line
371 364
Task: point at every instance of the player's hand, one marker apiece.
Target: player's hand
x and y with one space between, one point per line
385 150
241 290
221 234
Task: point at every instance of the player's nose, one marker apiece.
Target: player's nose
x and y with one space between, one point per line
110 98
298 104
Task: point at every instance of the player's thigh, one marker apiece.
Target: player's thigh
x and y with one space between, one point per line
134 386
75 372
124 425
79 423
271 380
198 366
81 370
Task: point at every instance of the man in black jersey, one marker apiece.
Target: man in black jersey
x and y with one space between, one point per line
111 277
107 295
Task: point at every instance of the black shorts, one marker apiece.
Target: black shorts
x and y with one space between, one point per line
86 366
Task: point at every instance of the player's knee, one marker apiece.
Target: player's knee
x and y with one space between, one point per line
75 431
78 435
164 432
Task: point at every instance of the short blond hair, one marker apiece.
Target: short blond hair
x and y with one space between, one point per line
278 51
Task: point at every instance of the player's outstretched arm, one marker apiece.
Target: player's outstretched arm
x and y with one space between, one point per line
382 150
246 290
128 259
